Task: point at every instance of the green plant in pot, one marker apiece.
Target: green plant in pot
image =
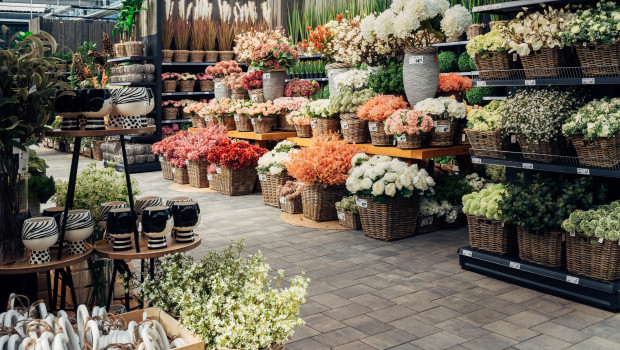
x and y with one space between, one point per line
40 186
127 18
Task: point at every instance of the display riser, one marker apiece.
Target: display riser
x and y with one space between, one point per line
137 168
604 295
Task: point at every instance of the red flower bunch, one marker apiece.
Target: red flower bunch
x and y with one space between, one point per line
199 143
235 155
320 39
452 82
204 76
275 56
252 80
379 108
326 161
222 69
170 76
298 87
169 148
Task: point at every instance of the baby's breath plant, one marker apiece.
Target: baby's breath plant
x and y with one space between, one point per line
348 101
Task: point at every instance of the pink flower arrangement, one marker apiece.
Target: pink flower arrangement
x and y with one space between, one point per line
381 107
291 103
222 69
195 108
274 56
170 76
170 128
171 103
199 143
262 110
290 190
204 76
252 80
168 148
233 81
298 118
225 106
411 122
298 87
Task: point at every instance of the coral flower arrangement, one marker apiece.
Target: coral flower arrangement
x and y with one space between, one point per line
198 144
453 83
298 88
169 148
222 69
236 155
381 107
409 122
298 118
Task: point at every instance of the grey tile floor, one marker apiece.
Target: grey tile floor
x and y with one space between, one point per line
408 294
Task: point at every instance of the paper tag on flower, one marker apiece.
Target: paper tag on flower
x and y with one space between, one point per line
372 126
344 125
515 58
313 123
463 137
252 121
237 118
283 200
416 59
442 128
262 177
572 233
426 221
218 85
401 138
266 76
161 159
218 170
361 203
434 123
174 170
341 216
187 162
601 240
210 177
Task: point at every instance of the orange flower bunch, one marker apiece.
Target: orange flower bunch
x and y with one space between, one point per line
381 107
452 82
320 38
326 161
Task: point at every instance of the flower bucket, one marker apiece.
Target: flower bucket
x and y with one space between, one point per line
406 141
186 85
197 173
420 73
220 90
543 63
262 125
427 224
442 134
134 48
228 121
350 220
166 168
474 30
206 85
598 59
273 84
226 55
243 123
233 182
547 249
588 256
491 235
543 151
196 56
378 136
319 201
324 127
269 186
240 95
354 130
303 131
181 55
170 113
256 95
197 122
284 124
485 142
166 55
169 85
119 50
291 206
334 69
397 219
211 56
180 175
600 152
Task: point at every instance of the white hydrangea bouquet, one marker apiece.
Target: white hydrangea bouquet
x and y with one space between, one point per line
492 41
455 21
348 101
597 119
319 109
442 108
354 79
430 207
272 162
382 178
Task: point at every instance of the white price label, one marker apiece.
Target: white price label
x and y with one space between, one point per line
361 202
266 75
344 125
254 97
572 233
401 138
572 279
442 129
467 253
515 57
588 81
262 177
476 160
210 177
463 137
372 126
218 85
174 170
161 159
313 123
218 170
237 118
583 171
416 60
426 222
530 82
513 138
455 168
481 83
341 216
187 162
515 265
283 200
528 166
252 121
601 240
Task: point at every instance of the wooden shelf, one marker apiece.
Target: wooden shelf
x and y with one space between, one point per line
26 267
421 153
106 250
278 135
94 133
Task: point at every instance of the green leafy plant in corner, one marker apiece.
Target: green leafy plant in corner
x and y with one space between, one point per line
127 16
388 79
451 188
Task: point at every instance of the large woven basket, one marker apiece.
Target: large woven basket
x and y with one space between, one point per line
166 55
543 151
545 249
197 121
303 131
242 122
291 206
492 235
196 56
169 85
589 257
406 141
170 113
206 85
211 56
119 50
181 55
214 181
180 175
598 59
324 127
354 130
600 152
263 125
226 55
443 133
543 63
239 94
494 65
319 201
485 141
134 48
256 95
284 124
395 220
427 224
233 182
197 171
378 137
166 169
350 220
269 186
474 30
186 85
228 121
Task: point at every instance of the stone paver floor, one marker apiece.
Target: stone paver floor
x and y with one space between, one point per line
408 294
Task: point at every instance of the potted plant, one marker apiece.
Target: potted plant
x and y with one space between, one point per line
346 104
446 112
483 130
429 216
301 120
490 55
388 79
322 122
286 105
263 116
300 88
274 60
241 117
408 126
167 31
253 82
272 172
199 27
171 109
126 28
182 30
170 81
210 37
289 196
219 71
205 81
225 31
187 82
236 166
376 111
232 82
348 215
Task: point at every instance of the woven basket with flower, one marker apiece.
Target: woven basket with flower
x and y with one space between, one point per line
236 162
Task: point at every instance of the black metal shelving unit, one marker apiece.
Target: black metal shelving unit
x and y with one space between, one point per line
508 7
193 93
131 59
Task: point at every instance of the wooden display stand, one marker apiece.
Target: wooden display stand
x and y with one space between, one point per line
260 140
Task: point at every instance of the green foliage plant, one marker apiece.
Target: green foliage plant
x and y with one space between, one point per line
447 62
451 188
127 16
40 186
466 63
388 79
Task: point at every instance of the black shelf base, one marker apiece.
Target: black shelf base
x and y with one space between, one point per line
604 295
137 168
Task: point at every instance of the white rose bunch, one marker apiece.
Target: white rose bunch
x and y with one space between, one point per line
442 108
273 161
354 79
318 109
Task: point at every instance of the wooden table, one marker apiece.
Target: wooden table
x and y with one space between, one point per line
260 140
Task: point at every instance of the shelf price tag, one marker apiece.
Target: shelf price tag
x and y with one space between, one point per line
344 125
601 240
372 126
283 200
572 279
464 137
254 97
341 216
426 222
416 59
266 75
262 177
361 203
313 123
588 81
401 138
528 166
442 129
187 162
210 177
481 83
476 160
496 6
237 118
513 138
218 170
218 85
515 265
467 253
161 159
583 171
530 82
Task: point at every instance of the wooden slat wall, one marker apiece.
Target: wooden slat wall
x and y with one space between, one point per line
73 33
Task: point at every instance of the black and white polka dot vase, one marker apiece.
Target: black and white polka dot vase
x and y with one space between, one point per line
80 226
131 122
76 248
39 234
82 121
108 238
115 122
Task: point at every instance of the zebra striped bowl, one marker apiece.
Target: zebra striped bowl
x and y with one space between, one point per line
38 235
80 226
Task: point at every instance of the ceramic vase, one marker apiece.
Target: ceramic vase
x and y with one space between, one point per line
134 101
173 200
115 120
96 104
156 224
56 213
104 209
66 105
79 227
145 202
186 218
38 235
120 228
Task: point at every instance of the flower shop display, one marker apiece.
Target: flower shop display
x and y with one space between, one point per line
227 288
408 126
187 82
538 205
594 34
272 173
592 248
222 110
219 71
301 121
323 167
376 111
446 112
169 153
451 189
453 84
288 104
253 82
348 214
455 21
246 43
263 116
354 79
447 61
170 81
488 230
388 79
346 104
536 116
388 192
274 60
289 196
594 131
300 88
475 96
241 118
322 122
171 109
232 82
490 55
483 130
236 162
205 81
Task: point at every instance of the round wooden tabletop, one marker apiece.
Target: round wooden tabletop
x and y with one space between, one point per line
93 133
106 250
25 267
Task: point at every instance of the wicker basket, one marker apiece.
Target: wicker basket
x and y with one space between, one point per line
545 249
256 95
492 235
239 94
350 220
181 55
599 59
589 257
269 186
242 122
474 30
186 85
291 206
284 124
319 201
169 85
354 130
303 131
443 133
134 48
167 134
180 175
211 56
378 137
170 113
543 63
543 151
395 220
427 224
263 125
214 182
484 141
228 121
166 55
226 55
197 122
233 182
206 85
196 56
324 127
406 141
494 65
494 23
601 152
197 172
119 50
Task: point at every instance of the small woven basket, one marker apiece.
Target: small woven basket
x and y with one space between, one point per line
587 256
211 56
604 153
256 95
350 220
491 235
494 23
269 186
485 141
119 50
543 151
232 182
206 85
354 130
319 201
263 125
228 121
197 122
186 85
284 124
378 137
388 222
443 133
166 169
170 113
494 65
291 206
598 59
543 63
324 127
226 55
240 94
546 249
134 48
427 224
406 141
169 85
197 171
474 30
181 55
196 56
242 122
181 175
303 131
166 55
